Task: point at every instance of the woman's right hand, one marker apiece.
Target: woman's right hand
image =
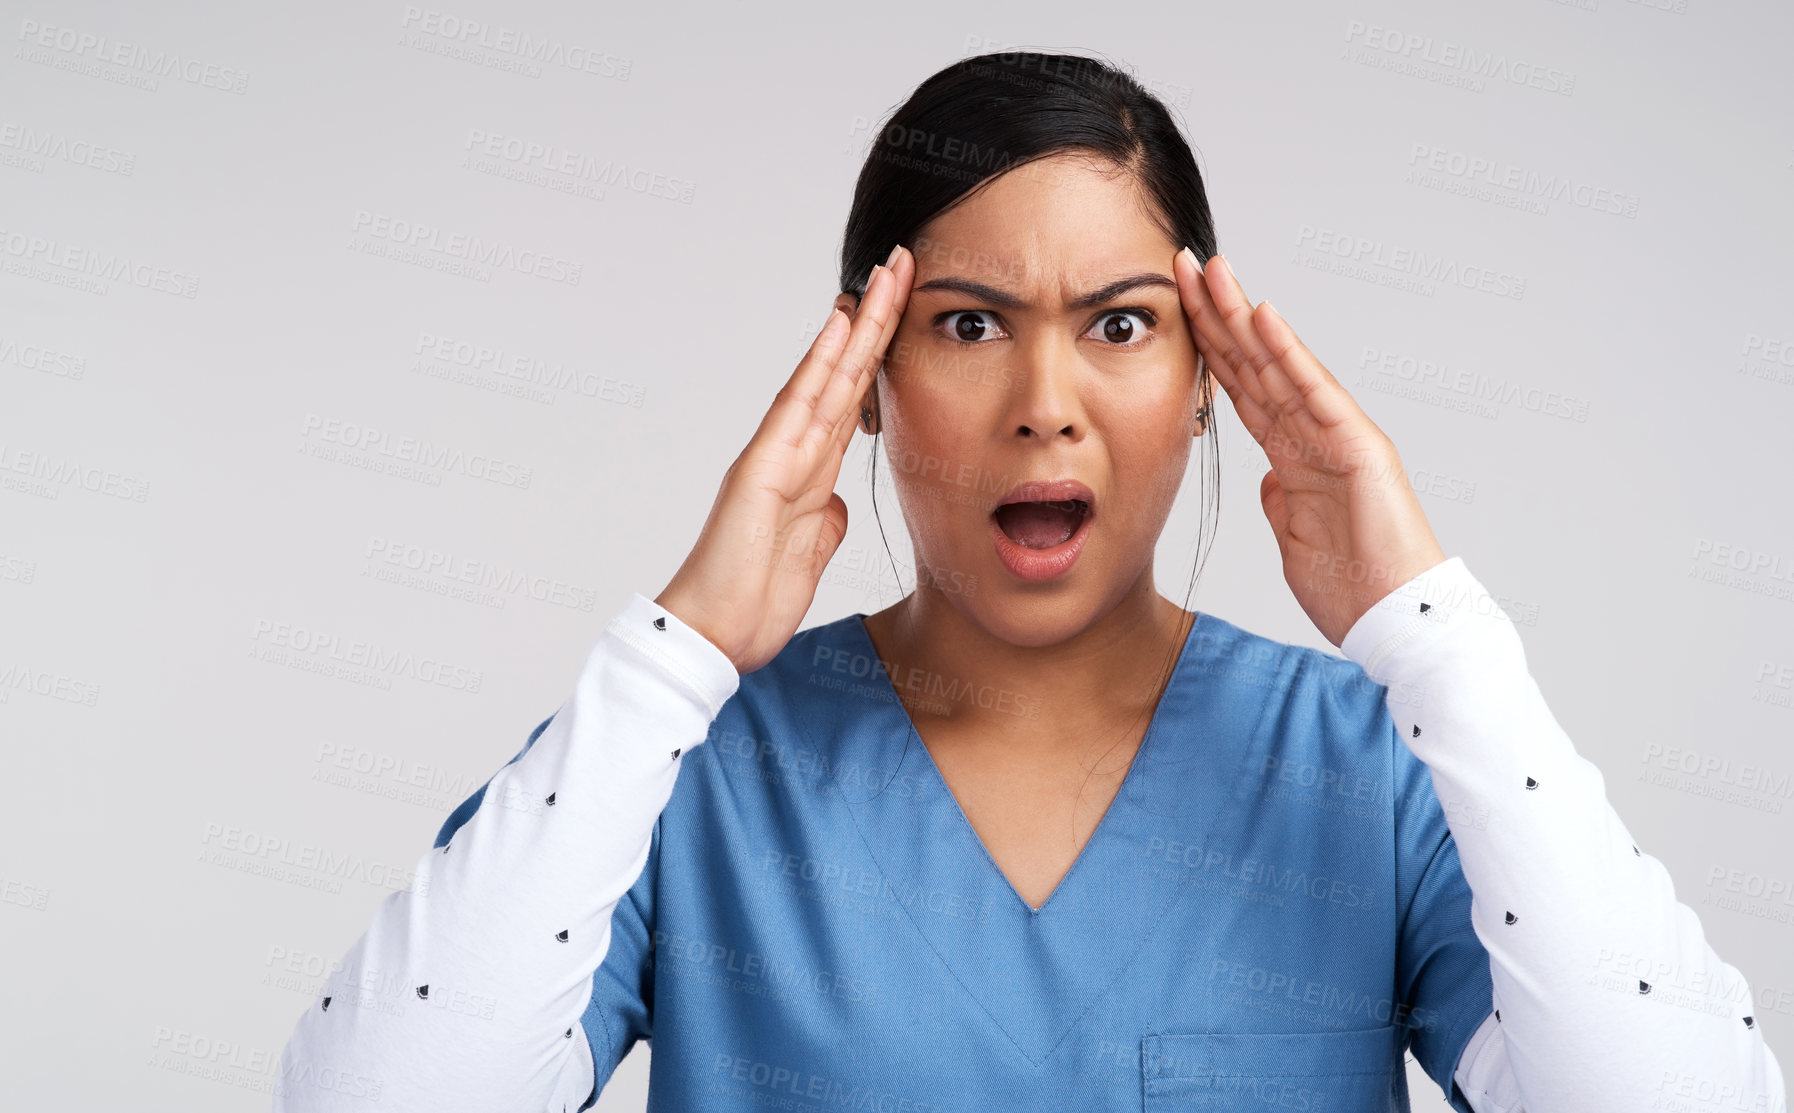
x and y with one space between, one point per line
777 520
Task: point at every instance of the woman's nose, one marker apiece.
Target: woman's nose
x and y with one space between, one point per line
1046 401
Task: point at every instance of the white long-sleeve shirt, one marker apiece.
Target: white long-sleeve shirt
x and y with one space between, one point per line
455 999
1607 995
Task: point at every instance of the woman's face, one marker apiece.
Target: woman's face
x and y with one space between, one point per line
1043 340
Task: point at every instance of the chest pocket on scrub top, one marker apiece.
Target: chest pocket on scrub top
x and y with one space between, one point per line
1356 1071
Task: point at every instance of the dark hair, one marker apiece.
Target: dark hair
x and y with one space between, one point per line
984 116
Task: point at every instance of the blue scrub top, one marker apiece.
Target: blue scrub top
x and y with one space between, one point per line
1269 915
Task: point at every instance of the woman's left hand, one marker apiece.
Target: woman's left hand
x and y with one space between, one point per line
1347 521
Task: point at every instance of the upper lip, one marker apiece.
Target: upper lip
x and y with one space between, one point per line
1047 490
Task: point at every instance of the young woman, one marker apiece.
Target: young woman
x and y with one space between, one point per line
1036 837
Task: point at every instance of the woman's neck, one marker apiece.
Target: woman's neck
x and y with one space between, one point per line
963 682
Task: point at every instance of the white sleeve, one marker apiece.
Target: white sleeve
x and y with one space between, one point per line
466 991
1607 995
1483 1072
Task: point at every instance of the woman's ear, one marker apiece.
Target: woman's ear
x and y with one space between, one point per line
1205 392
869 409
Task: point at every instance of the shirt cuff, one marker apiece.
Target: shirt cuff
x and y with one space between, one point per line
703 669
1444 594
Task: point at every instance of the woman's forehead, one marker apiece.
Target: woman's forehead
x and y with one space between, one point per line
1064 228
1052 275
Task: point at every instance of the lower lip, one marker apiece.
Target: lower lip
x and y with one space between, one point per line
1040 564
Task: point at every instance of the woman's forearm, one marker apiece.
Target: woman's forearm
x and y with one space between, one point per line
466 993
1607 993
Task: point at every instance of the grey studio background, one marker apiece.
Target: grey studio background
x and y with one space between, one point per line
221 326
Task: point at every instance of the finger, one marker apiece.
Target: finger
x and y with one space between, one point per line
1326 400
814 392
846 382
795 405
903 272
1274 391
1252 416
1207 319
1199 309
1294 431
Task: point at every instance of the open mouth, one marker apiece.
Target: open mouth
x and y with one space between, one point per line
1041 525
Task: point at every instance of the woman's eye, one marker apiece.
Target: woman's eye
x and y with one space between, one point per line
1121 328
969 326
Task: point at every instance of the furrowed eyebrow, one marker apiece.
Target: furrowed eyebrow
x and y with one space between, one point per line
1084 301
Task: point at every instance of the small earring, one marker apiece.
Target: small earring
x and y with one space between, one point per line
866 418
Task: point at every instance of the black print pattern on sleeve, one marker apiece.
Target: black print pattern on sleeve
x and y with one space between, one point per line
561 935
1511 917
660 624
676 751
1531 784
423 991
550 800
327 1009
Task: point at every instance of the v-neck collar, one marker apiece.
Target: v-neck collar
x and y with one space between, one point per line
935 778
1035 972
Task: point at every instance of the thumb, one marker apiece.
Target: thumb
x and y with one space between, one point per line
1276 506
834 528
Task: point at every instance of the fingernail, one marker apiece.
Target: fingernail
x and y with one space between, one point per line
1229 262
1195 262
892 260
872 274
